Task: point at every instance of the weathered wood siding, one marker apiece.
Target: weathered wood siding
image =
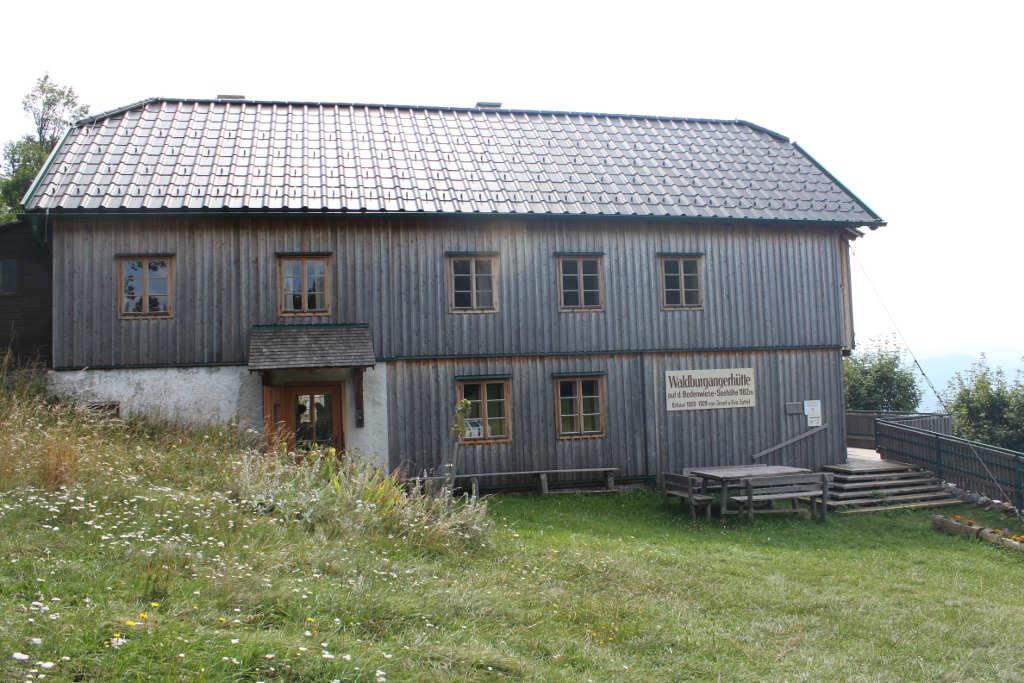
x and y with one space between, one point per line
26 317
765 286
642 437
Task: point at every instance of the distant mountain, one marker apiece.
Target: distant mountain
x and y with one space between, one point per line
941 369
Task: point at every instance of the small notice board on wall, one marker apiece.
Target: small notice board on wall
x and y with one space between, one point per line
706 389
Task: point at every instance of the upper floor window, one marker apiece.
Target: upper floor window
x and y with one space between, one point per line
580 406
146 286
580 283
488 408
473 279
8 276
304 283
681 281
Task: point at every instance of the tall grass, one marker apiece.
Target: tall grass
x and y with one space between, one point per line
53 445
342 492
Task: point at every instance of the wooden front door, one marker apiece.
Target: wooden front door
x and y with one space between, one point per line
305 416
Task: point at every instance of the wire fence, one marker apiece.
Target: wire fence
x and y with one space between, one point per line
988 470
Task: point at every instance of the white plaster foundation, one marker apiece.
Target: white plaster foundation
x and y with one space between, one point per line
215 394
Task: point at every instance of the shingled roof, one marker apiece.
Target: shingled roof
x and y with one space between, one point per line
282 347
200 155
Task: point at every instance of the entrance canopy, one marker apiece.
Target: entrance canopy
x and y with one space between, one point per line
289 347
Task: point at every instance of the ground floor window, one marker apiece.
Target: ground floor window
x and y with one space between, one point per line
8 276
488 409
580 406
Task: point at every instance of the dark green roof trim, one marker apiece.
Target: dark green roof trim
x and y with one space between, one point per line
303 253
151 366
471 253
577 254
46 166
878 219
597 373
335 326
145 255
481 377
239 213
679 253
628 352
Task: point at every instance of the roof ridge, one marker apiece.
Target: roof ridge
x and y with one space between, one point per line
420 107
111 112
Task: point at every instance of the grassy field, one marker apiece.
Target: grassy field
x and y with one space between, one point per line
149 565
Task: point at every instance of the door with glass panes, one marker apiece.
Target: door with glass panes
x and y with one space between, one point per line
305 416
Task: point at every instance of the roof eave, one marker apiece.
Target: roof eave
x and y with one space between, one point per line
877 223
58 212
46 167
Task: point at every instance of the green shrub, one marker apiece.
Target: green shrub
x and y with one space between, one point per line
987 407
880 378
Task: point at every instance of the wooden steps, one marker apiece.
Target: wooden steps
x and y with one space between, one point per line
868 486
927 504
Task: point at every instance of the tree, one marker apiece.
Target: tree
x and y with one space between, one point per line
53 108
880 378
986 406
21 161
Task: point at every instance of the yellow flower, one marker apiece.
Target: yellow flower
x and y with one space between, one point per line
309 619
143 615
130 623
223 619
117 635
154 604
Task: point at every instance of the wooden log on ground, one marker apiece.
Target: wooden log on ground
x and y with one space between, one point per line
945 525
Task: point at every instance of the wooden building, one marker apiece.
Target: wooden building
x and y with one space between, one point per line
26 293
607 291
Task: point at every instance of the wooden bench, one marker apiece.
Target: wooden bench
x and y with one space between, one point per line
542 477
785 487
687 489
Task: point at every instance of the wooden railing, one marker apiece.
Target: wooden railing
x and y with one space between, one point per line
988 470
860 425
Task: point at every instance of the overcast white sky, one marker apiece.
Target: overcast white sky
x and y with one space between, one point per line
914 106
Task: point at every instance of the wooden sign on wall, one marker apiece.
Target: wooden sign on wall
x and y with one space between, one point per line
706 389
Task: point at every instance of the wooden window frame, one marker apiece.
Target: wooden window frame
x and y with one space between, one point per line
328 260
461 383
146 258
450 266
600 283
17 267
665 306
579 379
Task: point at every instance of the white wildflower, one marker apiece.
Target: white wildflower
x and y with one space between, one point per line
347 658
20 657
36 641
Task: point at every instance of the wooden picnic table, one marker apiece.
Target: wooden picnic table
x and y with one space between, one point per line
736 475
